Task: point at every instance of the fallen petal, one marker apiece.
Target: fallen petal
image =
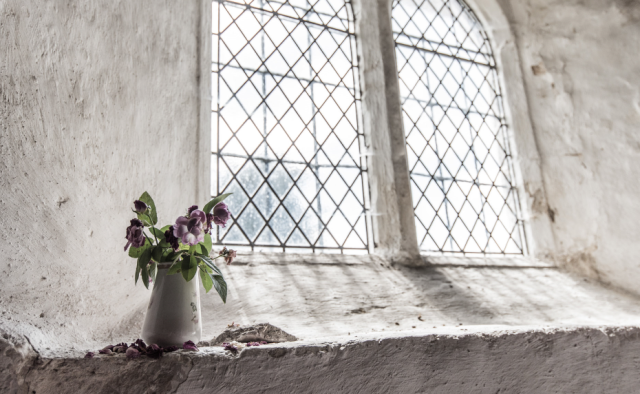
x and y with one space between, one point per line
189 345
132 353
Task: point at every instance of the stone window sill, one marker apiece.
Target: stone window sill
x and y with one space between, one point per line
367 324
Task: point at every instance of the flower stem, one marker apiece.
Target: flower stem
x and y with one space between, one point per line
153 227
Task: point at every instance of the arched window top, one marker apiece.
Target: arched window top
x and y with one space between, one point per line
462 175
285 134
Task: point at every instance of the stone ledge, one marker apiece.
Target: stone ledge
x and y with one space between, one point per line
481 359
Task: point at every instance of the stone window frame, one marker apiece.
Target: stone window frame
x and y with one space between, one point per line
394 233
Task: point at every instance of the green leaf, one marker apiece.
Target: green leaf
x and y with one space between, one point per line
206 268
137 274
189 267
174 269
208 243
137 252
207 282
153 271
158 233
145 276
143 218
156 253
221 287
173 256
211 265
146 198
214 202
144 258
165 228
203 251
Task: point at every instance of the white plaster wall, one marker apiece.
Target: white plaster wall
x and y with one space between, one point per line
581 71
98 103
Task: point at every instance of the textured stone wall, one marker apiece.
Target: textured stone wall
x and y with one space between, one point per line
581 72
512 362
98 103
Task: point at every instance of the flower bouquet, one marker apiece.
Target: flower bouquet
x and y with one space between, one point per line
184 247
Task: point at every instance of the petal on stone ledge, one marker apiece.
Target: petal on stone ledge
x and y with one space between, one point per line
189 345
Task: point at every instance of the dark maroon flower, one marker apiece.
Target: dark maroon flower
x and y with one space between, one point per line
154 351
171 239
191 209
132 353
207 226
228 255
140 207
230 347
189 345
221 214
169 349
89 355
135 234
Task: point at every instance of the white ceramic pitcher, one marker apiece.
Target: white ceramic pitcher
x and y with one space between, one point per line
173 316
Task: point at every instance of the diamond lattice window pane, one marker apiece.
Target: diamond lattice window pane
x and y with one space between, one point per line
285 136
465 199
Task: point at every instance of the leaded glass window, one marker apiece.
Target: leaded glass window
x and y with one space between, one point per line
462 178
285 134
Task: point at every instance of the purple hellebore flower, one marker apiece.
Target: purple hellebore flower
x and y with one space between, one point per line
191 209
154 351
89 355
105 351
135 234
221 214
140 207
171 239
190 229
189 345
132 353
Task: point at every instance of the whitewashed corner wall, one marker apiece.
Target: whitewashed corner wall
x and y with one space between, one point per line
99 102
580 68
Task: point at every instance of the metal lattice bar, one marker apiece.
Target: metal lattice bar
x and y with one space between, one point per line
285 128
462 175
